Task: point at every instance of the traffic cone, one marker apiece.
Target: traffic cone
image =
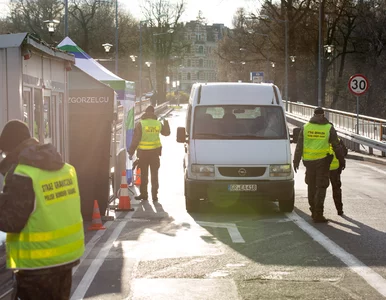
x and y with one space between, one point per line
124 198
96 218
137 180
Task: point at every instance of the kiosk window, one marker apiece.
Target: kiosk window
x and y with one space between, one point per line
37 113
27 107
47 119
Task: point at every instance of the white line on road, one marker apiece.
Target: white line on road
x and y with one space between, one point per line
232 230
91 243
374 169
372 278
93 269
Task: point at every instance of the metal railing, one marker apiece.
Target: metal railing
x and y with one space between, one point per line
371 132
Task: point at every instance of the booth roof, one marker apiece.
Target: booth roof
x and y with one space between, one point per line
87 64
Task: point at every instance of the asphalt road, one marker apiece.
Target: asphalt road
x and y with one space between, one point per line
159 251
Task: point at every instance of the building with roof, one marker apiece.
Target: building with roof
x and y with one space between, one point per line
199 64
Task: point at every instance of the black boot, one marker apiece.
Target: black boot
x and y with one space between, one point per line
320 219
140 197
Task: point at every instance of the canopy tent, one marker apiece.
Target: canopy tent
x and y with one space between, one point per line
125 90
125 94
91 112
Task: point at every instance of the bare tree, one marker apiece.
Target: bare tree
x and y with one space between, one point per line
163 26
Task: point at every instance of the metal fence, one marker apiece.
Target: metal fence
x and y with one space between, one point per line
361 130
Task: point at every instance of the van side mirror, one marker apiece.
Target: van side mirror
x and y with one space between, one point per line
181 135
295 135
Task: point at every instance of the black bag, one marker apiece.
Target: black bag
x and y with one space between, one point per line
344 148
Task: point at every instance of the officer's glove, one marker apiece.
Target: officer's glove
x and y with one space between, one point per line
342 164
296 166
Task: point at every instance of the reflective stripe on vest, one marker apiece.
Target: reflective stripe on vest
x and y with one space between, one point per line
335 162
54 233
316 141
150 134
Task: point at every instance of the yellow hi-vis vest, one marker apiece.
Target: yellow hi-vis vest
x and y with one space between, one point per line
54 233
150 134
316 141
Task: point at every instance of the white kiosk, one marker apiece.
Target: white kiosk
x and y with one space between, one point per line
33 86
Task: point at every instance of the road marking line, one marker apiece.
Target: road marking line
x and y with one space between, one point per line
90 245
373 168
372 278
93 269
232 230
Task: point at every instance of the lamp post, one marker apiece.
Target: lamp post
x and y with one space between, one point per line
51 25
65 18
116 37
140 63
285 21
169 31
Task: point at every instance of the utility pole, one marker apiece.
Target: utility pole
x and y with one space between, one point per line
116 37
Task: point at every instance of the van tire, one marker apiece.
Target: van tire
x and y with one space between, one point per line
192 205
287 205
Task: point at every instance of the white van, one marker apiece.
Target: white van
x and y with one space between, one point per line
237 146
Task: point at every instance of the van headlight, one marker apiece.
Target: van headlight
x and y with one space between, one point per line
279 170
203 170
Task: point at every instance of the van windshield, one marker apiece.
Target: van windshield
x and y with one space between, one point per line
239 122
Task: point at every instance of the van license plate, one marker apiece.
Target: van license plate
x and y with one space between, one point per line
242 187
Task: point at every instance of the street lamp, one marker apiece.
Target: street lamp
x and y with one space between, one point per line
293 58
107 47
51 25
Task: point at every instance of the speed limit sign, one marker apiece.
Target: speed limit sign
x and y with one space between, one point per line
358 84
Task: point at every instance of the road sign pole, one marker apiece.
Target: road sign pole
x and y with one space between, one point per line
357 114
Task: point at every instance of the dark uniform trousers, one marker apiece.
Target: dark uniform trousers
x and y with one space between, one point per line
336 189
32 285
146 160
317 180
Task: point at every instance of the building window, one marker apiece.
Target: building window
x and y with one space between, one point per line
201 50
189 76
189 63
201 63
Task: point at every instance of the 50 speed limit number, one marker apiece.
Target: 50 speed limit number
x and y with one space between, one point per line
358 84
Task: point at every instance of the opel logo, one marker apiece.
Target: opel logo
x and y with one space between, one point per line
242 172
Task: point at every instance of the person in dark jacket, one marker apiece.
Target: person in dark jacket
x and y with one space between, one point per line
146 140
153 99
39 203
313 146
336 183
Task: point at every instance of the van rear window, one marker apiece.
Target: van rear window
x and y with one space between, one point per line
239 122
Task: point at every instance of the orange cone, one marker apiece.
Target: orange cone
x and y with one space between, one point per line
124 198
137 180
96 218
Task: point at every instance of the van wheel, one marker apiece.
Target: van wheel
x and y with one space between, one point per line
192 205
287 205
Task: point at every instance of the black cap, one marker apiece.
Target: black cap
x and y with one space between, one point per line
14 133
150 109
319 111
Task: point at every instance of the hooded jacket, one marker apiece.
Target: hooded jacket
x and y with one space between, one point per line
18 198
333 140
165 131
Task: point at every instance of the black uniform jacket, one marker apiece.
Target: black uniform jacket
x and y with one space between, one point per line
18 198
165 131
334 141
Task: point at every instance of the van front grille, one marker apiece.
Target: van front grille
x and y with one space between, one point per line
242 171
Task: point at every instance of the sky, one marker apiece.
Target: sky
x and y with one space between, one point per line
215 11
